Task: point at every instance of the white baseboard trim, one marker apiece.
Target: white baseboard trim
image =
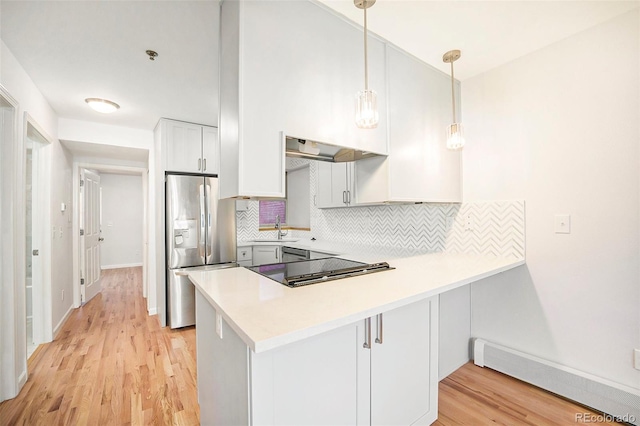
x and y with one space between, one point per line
123 265
21 381
57 328
617 400
153 311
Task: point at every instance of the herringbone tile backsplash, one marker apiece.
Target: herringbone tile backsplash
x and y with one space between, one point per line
491 227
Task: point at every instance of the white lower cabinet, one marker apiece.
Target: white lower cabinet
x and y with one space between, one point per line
263 255
327 379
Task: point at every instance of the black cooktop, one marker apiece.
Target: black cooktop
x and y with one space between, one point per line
305 272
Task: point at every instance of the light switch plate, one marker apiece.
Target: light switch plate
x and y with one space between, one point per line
636 359
562 224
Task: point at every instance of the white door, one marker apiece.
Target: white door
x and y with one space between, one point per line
210 157
90 234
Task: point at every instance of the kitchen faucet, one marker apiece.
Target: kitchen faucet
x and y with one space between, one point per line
279 228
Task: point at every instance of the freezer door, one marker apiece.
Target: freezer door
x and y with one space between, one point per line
221 225
185 221
181 300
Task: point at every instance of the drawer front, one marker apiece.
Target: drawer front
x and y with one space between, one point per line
244 253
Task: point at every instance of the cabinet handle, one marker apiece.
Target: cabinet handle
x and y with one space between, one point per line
276 253
348 197
379 329
204 164
367 333
344 197
199 163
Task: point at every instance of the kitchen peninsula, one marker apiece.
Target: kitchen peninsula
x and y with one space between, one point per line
359 350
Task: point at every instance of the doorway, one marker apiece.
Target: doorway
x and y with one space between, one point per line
113 226
37 242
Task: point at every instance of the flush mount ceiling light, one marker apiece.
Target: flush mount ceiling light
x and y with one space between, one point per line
455 133
366 100
102 105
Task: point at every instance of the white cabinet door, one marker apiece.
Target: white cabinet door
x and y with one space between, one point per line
312 382
263 255
404 369
184 147
335 185
210 150
420 165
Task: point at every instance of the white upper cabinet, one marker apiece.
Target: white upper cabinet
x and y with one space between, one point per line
210 150
188 147
335 185
419 166
292 68
184 146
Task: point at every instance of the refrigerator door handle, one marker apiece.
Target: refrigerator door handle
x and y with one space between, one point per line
209 230
203 224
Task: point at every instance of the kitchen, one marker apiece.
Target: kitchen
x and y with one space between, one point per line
546 165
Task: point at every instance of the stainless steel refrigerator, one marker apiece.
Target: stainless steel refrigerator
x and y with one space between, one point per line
200 233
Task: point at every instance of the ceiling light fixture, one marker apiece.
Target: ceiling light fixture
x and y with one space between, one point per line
102 105
366 100
152 54
455 133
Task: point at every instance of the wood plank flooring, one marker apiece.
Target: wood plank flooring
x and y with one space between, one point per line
112 364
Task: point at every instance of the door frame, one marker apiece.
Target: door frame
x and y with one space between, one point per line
13 362
100 167
42 304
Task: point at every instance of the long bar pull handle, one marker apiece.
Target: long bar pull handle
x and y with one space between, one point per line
348 197
344 197
367 333
204 164
276 253
379 327
199 163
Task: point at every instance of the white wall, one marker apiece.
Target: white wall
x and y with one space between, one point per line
298 197
19 85
559 128
122 220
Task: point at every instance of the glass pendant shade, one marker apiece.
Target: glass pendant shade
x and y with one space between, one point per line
367 109
455 136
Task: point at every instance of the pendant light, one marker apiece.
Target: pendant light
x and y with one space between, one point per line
367 99
455 133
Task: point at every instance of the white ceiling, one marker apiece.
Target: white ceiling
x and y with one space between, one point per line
110 152
78 49
74 50
489 33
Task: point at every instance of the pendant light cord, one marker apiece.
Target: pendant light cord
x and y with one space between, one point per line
453 96
366 64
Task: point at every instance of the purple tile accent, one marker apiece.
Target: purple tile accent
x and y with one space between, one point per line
270 209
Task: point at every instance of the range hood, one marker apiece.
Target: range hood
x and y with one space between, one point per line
313 150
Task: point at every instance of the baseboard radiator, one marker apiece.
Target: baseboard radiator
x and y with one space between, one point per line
618 401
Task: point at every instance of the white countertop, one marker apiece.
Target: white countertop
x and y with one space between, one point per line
267 314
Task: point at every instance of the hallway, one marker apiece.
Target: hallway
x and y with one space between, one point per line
111 364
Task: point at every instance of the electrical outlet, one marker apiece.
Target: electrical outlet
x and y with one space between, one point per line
636 359
219 325
60 231
469 225
53 233
62 294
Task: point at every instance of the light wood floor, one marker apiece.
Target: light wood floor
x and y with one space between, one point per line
113 364
110 364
